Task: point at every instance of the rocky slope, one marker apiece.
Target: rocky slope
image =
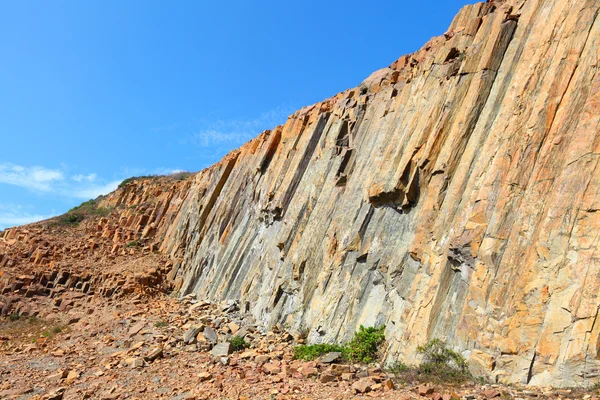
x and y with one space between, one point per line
452 194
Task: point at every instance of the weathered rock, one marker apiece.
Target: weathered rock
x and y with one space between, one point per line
436 185
330 357
210 335
204 376
189 337
363 386
134 362
221 349
425 390
154 354
72 376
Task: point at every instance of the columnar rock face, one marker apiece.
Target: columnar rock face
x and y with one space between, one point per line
452 195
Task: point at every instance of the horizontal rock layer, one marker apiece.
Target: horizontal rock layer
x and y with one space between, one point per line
452 195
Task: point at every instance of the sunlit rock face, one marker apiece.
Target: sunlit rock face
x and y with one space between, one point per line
454 194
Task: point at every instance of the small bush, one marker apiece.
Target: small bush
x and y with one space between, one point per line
398 368
134 178
364 347
160 324
86 209
132 244
436 352
72 218
314 351
442 364
238 343
14 317
180 176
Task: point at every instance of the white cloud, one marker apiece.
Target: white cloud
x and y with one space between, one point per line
239 131
14 215
81 178
92 192
53 181
33 178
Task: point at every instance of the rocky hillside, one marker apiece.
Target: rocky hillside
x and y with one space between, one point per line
453 194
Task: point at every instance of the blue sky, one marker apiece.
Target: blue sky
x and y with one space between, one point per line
92 92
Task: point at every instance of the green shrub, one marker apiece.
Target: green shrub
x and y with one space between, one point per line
436 352
160 324
364 347
14 317
86 209
133 244
442 364
134 178
314 351
398 368
238 343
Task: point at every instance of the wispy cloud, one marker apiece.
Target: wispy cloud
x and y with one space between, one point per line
34 178
54 181
14 215
93 191
81 177
237 131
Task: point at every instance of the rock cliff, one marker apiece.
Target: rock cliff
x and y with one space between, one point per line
454 194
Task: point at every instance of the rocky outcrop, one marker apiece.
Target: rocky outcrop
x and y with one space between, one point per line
451 195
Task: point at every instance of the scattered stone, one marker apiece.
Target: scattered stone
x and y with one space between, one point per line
362 386
204 376
210 335
60 374
326 378
154 354
221 349
72 376
388 384
491 393
134 362
330 357
56 394
262 359
135 329
189 337
424 390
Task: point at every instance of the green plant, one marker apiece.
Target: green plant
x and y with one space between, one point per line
86 209
238 343
437 352
398 368
14 317
364 347
132 244
134 178
314 351
160 324
442 364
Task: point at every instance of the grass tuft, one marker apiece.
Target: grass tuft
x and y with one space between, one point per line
238 343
